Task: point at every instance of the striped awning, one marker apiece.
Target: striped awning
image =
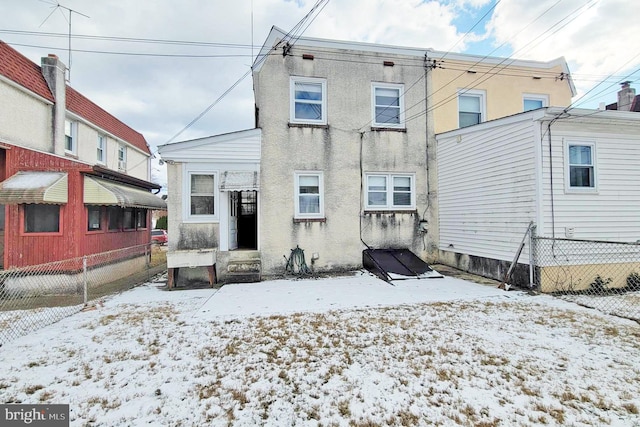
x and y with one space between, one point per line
32 187
102 192
239 181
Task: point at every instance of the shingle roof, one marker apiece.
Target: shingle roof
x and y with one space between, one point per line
82 106
21 70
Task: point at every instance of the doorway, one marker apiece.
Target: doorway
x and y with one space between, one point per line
243 220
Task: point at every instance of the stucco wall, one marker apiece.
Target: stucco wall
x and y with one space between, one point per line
25 119
343 151
505 89
186 235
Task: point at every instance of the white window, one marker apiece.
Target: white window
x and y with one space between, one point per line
308 100
122 157
309 198
202 194
390 191
581 165
101 154
388 105
533 102
471 107
70 136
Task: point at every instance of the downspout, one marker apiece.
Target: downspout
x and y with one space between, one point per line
362 189
553 215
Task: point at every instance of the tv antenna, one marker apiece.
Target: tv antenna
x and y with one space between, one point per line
58 6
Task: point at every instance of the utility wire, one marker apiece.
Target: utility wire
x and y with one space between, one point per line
221 97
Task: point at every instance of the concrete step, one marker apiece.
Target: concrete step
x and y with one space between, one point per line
243 267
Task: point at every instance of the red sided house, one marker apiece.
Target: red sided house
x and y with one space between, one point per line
74 180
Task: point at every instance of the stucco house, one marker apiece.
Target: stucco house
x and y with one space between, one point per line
74 180
572 173
347 157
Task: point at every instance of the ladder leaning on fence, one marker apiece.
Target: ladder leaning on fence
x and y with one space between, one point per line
505 282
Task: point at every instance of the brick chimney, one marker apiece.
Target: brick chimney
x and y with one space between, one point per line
625 97
53 71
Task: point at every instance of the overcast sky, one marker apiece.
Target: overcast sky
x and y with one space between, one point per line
159 88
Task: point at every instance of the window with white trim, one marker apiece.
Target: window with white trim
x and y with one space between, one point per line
101 149
309 197
471 107
202 187
308 100
390 191
388 105
581 165
70 136
122 157
533 102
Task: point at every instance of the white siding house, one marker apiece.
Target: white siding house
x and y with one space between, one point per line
573 174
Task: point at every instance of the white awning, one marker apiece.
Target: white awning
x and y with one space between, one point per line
99 191
31 187
239 181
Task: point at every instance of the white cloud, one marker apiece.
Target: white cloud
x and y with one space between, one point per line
596 37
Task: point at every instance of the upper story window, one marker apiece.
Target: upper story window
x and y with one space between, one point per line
308 100
581 165
533 102
122 157
101 154
388 105
70 136
309 198
471 107
390 191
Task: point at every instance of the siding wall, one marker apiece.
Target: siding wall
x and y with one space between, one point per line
487 189
611 213
25 119
23 249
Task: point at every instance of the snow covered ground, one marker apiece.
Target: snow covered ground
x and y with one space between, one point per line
347 351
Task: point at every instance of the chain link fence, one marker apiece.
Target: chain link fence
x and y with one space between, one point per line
36 296
601 275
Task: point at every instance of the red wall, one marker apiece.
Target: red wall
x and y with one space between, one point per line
73 240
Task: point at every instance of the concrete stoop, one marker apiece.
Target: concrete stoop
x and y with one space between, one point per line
243 267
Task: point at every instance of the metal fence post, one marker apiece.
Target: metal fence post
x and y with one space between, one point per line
532 242
84 279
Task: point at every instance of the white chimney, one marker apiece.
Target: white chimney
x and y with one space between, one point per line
53 71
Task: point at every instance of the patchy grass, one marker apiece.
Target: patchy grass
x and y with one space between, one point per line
394 366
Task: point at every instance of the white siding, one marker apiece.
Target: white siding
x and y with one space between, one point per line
487 189
238 147
613 212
